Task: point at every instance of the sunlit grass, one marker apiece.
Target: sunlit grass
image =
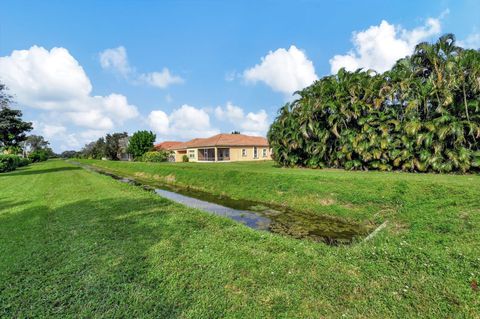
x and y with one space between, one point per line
77 244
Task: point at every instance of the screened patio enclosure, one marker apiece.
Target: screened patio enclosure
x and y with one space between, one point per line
213 154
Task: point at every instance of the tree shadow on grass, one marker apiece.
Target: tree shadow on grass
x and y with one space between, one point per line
7 204
30 171
91 258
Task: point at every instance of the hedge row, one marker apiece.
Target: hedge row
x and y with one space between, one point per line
11 162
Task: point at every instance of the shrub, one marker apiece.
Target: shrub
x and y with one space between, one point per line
185 158
155 156
38 156
9 162
24 162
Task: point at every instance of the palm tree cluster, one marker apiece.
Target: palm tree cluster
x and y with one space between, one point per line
421 115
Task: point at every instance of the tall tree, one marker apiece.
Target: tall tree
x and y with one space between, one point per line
113 145
34 143
12 128
140 143
94 150
422 115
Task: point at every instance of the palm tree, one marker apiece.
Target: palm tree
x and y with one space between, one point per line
422 115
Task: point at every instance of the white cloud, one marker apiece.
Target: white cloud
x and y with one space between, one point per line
54 82
250 124
256 123
232 113
160 79
116 59
51 131
230 76
472 41
117 106
185 122
188 122
379 47
90 119
45 79
283 70
158 121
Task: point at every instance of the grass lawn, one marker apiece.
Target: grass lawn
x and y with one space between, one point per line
79 244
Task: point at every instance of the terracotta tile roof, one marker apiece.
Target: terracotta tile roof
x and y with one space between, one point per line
224 140
167 145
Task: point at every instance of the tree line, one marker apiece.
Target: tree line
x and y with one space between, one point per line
16 147
120 146
421 115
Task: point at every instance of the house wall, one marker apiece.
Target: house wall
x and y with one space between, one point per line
236 154
179 155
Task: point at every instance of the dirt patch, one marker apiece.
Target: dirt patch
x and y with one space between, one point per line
170 178
398 228
141 175
327 201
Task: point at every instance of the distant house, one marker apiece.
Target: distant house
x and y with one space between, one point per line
122 153
167 145
220 148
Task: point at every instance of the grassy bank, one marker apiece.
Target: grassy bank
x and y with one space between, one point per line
76 243
357 195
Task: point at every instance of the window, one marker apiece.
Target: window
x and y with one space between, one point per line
191 153
244 152
264 152
255 152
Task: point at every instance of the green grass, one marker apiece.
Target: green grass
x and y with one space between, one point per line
78 244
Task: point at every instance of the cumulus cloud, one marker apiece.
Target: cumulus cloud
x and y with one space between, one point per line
54 82
160 79
116 60
185 122
379 47
285 71
472 41
45 79
50 131
230 112
159 122
251 123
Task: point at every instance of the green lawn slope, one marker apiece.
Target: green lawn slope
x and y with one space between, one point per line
78 244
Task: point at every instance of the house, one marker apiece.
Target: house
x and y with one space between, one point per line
122 153
167 145
220 148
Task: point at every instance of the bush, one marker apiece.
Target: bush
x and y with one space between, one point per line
185 158
24 162
9 162
155 156
38 156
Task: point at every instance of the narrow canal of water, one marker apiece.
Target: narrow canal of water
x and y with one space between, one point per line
301 225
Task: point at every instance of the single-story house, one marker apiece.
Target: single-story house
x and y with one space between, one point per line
167 145
220 148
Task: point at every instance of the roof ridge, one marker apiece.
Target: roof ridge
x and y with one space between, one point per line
219 136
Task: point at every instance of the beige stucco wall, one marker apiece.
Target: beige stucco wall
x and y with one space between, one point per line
235 154
179 156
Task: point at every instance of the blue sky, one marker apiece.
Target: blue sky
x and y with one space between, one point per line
191 68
